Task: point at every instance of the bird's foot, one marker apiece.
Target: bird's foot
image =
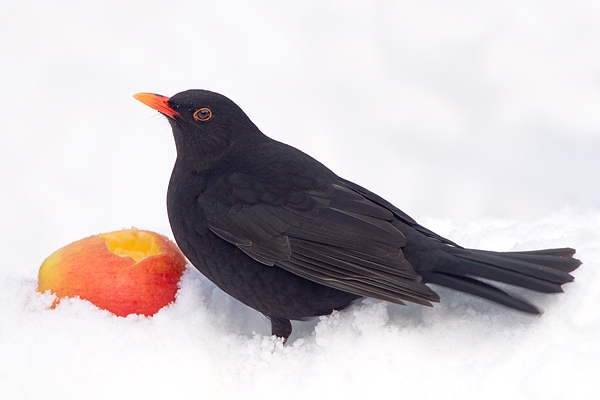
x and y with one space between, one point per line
281 327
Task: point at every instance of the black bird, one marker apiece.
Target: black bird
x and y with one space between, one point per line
283 234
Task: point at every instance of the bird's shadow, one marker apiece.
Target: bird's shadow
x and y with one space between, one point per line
455 307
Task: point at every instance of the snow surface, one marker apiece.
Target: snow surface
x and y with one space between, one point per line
479 119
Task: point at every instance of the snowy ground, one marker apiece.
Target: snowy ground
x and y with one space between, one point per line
481 121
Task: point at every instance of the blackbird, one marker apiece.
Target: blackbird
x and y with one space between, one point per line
279 231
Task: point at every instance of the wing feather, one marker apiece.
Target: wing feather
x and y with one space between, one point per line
334 236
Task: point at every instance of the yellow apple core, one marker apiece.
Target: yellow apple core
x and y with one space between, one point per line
135 244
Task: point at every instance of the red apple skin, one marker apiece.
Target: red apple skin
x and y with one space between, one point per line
89 269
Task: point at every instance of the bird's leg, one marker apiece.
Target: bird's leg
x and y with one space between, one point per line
281 327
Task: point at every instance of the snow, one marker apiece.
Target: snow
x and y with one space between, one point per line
480 120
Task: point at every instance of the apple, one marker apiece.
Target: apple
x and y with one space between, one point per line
125 272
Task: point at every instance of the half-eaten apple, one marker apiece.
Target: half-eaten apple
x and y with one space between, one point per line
125 272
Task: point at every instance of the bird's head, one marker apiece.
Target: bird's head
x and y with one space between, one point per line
206 125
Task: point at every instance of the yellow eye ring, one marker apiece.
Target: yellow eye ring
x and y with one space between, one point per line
203 114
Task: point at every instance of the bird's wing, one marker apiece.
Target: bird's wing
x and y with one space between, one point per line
333 236
397 212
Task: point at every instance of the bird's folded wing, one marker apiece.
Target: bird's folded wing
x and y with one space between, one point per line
397 212
335 237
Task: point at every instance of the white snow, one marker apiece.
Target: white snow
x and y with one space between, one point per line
480 120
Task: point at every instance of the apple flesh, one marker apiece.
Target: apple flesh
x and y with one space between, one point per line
125 272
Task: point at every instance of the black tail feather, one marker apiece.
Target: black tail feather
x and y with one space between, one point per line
478 288
561 259
497 273
541 270
538 267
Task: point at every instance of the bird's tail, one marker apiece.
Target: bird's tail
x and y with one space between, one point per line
542 271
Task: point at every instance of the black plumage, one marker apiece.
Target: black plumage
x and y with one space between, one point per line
283 234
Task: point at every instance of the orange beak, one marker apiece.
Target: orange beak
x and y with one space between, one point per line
158 102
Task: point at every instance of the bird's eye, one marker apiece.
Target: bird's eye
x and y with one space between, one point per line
203 114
